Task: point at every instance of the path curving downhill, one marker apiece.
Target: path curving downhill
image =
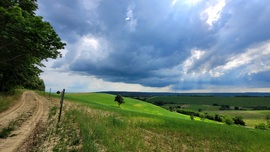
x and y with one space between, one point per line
31 110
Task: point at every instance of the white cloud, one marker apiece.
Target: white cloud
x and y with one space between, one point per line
188 2
72 82
212 13
131 21
195 56
254 60
91 48
182 70
192 2
173 2
89 5
93 31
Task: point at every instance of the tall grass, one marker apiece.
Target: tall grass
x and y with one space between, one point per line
104 127
7 99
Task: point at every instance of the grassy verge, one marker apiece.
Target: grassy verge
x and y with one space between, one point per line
62 136
101 126
7 99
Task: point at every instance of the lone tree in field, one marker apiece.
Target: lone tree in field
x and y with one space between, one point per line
119 99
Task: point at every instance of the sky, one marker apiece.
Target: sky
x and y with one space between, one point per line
159 46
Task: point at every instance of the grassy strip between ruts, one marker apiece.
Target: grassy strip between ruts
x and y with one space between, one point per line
108 128
6 131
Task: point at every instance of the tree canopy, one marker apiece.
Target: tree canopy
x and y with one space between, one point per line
119 99
25 41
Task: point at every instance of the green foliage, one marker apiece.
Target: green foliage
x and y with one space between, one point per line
202 116
52 111
119 99
25 40
216 117
219 118
239 120
6 131
224 107
8 98
262 126
229 120
192 117
267 117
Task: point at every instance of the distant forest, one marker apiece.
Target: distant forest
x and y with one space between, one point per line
149 94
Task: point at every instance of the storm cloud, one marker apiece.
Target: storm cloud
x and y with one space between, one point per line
185 44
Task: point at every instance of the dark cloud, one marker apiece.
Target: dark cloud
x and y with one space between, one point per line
155 43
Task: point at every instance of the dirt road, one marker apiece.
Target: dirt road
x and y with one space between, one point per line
24 118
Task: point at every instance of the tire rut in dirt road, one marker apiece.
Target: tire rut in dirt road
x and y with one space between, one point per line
31 103
7 116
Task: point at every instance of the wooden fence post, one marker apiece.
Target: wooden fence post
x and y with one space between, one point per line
61 104
50 93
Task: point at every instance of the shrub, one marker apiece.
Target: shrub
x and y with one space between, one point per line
192 117
261 126
267 117
238 120
185 111
202 116
219 118
210 116
229 121
215 104
224 107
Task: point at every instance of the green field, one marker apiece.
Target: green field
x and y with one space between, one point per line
232 101
140 126
131 105
251 117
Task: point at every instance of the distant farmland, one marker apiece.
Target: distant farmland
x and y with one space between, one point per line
209 100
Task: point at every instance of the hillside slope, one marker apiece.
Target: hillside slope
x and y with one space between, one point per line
139 126
129 105
93 122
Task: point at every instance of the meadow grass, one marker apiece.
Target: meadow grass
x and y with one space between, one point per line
130 105
7 99
104 127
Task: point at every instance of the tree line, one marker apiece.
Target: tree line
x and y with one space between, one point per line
238 120
25 41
